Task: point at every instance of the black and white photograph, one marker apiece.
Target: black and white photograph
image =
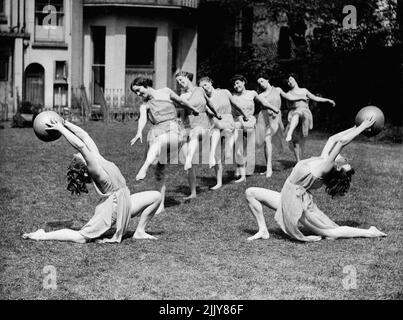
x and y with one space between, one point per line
219 151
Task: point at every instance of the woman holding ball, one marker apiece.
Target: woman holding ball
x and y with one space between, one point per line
118 207
295 204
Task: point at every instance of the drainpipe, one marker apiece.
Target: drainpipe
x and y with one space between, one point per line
24 9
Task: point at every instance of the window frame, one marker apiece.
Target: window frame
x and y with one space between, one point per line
6 60
39 17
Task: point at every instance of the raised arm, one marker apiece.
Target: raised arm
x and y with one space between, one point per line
91 157
349 136
333 140
265 103
141 125
319 99
83 135
183 102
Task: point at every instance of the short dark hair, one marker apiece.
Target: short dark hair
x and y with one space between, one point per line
238 77
338 182
77 177
291 74
141 81
186 74
263 76
206 79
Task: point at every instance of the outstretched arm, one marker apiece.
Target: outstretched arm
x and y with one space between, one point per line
141 125
211 106
83 135
319 99
333 140
291 97
266 104
183 102
349 136
91 157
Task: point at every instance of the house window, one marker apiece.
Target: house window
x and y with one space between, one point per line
284 43
247 26
140 55
49 20
244 28
4 68
61 71
3 18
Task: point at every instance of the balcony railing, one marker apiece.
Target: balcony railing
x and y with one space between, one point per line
145 3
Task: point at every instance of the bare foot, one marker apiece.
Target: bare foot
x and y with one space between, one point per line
160 210
188 165
37 235
216 187
376 232
240 180
269 172
314 238
192 196
288 138
143 236
260 235
141 175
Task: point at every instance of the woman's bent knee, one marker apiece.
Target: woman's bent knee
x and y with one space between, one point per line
249 193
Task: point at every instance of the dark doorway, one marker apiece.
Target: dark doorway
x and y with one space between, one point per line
140 53
35 84
98 67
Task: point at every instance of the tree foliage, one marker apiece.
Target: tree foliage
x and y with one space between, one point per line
377 21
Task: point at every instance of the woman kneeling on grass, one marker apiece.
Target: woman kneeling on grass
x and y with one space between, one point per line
295 203
119 206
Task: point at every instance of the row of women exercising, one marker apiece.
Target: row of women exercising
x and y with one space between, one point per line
220 118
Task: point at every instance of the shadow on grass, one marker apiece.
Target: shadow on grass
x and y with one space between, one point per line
171 202
212 181
286 164
348 223
185 190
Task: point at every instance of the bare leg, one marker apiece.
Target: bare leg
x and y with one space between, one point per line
242 174
256 197
192 183
239 157
269 153
230 139
152 155
161 208
146 204
250 154
295 148
59 235
192 147
302 148
155 151
293 124
215 140
218 170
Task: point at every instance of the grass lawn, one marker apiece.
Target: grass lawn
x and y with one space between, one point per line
202 252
